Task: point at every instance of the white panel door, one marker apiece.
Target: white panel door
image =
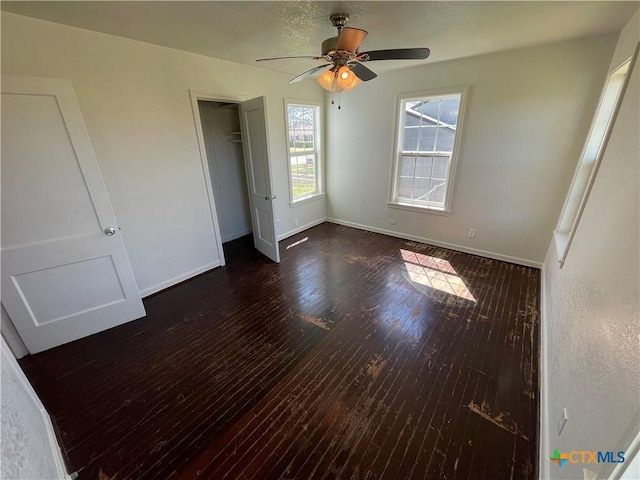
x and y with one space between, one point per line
253 123
65 271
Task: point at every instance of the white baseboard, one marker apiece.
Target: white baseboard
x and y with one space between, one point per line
543 433
302 228
185 276
437 243
180 278
233 236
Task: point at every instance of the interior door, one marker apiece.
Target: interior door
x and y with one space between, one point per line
253 124
65 271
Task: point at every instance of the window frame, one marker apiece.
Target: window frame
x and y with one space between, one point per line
318 150
401 99
590 158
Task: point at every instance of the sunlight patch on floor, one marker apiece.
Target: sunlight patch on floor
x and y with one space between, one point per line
294 244
435 273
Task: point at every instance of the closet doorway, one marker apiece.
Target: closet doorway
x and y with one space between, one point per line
234 148
223 144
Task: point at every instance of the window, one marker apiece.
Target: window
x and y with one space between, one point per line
590 159
427 142
304 147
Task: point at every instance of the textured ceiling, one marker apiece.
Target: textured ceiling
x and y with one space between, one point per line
243 31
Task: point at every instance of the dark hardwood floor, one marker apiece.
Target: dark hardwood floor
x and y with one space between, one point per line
358 356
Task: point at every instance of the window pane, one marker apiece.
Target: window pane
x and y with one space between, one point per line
407 166
437 191
440 167
427 139
310 171
411 119
445 139
429 122
303 178
302 127
410 143
421 189
405 187
450 109
423 167
430 110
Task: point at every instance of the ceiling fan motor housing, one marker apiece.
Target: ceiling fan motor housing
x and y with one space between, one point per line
329 45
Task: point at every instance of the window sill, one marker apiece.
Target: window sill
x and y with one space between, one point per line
415 208
305 200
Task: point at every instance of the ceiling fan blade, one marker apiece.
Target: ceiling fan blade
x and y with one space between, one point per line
362 72
309 72
395 54
350 39
284 58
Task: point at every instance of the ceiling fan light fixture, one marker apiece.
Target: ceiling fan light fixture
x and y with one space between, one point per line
326 80
343 69
347 79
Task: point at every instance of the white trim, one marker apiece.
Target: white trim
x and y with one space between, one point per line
177 279
195 96
235 235
53 440
312 198
421 209
561 242
302 228
437 243
543 434
631 452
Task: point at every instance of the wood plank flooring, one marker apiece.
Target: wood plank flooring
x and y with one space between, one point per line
358 356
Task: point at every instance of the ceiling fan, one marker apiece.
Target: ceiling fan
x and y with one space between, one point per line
343 63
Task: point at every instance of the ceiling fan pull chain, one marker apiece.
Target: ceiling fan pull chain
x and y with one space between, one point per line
339 96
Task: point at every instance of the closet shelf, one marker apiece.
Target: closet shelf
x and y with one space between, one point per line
233 137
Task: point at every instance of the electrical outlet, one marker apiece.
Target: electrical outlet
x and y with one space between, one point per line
392 221
563 421
297 222
278 222
472 233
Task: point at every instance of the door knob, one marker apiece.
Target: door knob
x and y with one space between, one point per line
109 231
267 197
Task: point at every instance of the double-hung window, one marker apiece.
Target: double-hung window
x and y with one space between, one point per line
426 148
304 150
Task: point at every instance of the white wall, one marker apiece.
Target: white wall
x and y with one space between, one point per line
135 100
226 165
527 113
591 306
28 447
